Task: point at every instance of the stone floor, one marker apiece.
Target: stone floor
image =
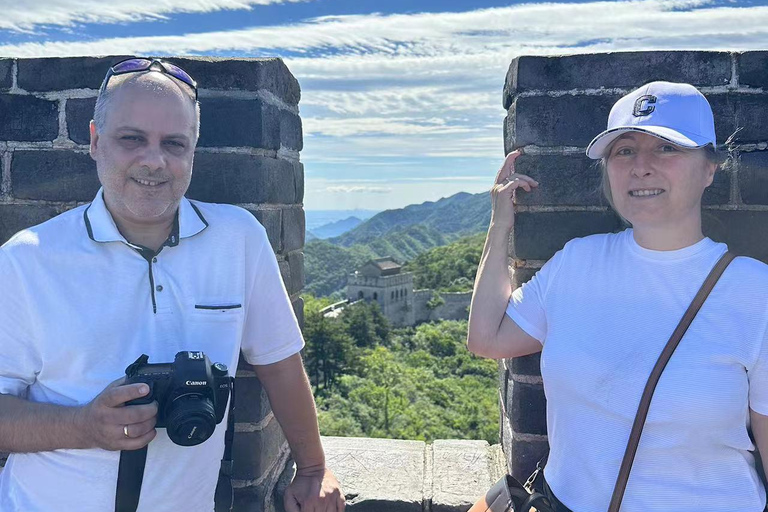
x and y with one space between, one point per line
380 475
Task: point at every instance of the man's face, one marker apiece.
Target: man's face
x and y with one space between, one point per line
144 154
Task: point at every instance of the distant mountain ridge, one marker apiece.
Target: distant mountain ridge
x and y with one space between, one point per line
402 234
337 228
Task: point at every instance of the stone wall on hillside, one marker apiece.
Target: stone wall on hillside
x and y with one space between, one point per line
450 305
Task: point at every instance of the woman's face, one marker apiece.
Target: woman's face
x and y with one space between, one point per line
655 183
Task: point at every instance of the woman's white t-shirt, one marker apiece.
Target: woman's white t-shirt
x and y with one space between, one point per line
604 308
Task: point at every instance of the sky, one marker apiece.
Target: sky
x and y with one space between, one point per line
401 99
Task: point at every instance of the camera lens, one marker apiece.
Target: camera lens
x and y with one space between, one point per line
191 420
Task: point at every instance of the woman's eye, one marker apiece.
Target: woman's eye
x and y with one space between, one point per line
623 151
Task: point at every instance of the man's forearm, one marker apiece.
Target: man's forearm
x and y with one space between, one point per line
27 427
294 407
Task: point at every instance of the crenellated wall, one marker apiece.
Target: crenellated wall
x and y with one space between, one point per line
555 106
248 154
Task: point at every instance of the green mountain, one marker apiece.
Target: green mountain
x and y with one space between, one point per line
402 234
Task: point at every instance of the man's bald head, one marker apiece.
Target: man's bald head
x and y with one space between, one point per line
151 82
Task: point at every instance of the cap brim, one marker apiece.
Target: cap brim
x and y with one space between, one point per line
599 144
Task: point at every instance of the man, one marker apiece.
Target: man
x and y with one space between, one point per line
141 270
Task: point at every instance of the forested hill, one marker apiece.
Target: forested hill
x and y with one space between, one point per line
458 215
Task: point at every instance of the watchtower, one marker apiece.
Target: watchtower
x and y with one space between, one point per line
382 280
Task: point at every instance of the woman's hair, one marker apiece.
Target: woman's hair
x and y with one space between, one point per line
713 155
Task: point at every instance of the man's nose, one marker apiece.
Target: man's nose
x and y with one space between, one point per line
153 158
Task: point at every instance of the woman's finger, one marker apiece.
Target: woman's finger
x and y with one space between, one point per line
508 167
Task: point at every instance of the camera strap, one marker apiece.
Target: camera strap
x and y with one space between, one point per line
132 462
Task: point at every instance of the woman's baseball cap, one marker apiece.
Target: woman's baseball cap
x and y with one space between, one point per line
678 113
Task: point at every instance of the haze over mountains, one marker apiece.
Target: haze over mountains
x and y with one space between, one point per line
402 234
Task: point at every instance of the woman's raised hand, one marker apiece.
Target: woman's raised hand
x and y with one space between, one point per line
503 192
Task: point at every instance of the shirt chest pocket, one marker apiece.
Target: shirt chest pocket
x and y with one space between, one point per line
215 327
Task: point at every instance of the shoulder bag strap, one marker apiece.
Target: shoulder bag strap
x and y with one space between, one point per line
645 401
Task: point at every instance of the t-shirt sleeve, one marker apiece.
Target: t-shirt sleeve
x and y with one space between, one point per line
19 358
758 380
527 305
271 332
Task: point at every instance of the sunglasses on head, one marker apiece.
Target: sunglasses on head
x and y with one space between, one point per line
136 65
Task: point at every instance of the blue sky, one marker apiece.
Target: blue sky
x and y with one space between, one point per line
401 100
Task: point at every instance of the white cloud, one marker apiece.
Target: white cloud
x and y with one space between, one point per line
360 189
26 15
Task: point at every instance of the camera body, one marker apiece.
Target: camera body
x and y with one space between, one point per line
191 394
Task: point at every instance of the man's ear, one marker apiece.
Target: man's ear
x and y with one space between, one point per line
94 139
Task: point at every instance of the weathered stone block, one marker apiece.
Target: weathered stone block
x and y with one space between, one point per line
743 231
79 114
272 221
539 235
527 365
296 262
719 192
753 69
378 475
527 408
236 123
522 456
298 177
461 474
14 218
294 229
57 73
238 178
740 111
251 402
563 180
616 70
285 273
53 175
558 121
6 78
27 119
255 452
523 275
298 310
243 74
753 177
290 131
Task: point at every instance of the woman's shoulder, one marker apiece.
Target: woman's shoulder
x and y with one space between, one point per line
598 242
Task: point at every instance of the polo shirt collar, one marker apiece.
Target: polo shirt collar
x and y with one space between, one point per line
101 226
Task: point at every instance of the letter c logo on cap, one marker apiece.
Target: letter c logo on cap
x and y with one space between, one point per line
644 105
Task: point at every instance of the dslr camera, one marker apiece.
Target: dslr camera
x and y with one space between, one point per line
191 394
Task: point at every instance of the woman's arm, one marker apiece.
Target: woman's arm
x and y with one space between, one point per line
491 332
760 431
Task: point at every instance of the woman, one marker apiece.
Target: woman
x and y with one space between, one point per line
602 309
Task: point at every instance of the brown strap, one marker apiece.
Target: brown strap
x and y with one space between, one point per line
666 354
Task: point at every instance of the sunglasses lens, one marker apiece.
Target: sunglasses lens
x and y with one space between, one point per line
179 73
131 65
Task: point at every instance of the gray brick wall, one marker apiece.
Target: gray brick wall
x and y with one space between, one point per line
555 105
248 154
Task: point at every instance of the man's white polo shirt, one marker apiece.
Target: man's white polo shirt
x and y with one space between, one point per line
78 304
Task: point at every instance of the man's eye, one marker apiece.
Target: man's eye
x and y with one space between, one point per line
668 148
175 143
130 138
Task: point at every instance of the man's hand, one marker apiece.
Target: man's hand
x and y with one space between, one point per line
106 422
314 490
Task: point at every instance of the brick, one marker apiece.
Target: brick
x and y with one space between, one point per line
753 177
246 74
28 119
539 235
527 408
255 452
251 402
564 180
239 178
743 231
290 131
298 179
522 456
238 123
53 175
296 262
523 275
527 365
57 73
15 217
753 69
79 114
298 310
294 229
272 221
285 273
6 70
559 121
719 192
616 70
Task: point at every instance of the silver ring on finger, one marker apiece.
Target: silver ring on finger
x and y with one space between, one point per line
125 431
